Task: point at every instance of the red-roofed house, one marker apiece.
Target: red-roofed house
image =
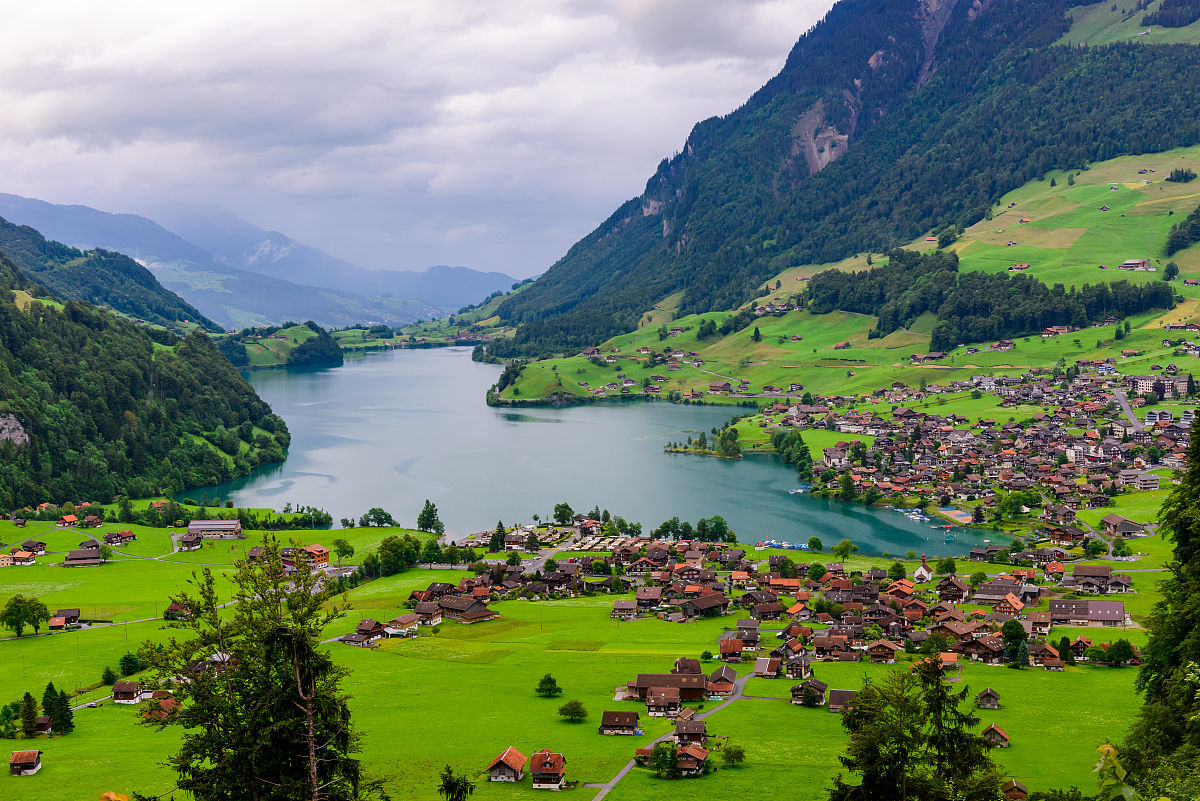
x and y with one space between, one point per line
548 770
508 766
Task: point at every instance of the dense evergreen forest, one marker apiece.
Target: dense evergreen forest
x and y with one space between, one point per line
99 277
738 204
106 410
974 307
1174 14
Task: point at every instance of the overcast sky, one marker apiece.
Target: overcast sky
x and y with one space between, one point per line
398 134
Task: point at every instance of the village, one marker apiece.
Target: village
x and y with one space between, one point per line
788 619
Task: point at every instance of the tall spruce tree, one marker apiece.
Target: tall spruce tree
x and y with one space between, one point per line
263 713
62 718
1162 751
28 715
911 739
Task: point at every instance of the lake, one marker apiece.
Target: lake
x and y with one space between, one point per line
393 428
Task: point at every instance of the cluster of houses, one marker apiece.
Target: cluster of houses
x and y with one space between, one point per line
546 768
1078 455
88 554
465 602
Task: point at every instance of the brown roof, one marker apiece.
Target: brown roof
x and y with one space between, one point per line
125 687
20 757
619 718
676 681
511 757
547 762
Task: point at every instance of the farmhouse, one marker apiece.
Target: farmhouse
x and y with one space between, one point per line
693 760
624 610
662 702
24 763
509 766
83 558
127 692
1116 525
119 538
691 731
817 688
403 626
216 529
619 722
548 770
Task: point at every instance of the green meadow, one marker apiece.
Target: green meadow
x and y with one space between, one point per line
462 695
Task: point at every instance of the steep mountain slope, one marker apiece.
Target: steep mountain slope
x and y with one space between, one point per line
933 109
102 409
233 297
242 245
99 277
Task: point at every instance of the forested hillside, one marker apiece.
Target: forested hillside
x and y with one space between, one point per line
102 409
937 109
99 277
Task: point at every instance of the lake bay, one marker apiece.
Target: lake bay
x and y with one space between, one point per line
391 429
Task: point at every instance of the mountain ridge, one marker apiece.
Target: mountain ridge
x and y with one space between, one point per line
737 206
100 277
234 296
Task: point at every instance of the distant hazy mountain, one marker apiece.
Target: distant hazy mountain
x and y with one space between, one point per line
240 244
100 277
233 297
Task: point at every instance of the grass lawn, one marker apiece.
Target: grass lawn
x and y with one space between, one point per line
108 751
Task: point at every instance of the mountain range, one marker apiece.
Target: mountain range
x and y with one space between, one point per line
889 121
240 275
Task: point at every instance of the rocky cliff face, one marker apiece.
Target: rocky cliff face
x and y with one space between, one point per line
12 431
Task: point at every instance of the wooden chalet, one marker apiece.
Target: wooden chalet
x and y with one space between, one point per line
693 760
619 722
663 702
819 690
691 731
127 692
988 699
996 736
548 770
24 763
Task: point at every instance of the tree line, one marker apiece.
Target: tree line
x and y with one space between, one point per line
973 307
1184 234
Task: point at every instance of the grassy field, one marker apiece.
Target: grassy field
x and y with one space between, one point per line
1105 23
485 675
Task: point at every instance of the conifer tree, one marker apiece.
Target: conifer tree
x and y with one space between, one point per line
263 713
28 715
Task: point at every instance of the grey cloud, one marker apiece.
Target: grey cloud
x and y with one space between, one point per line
391 134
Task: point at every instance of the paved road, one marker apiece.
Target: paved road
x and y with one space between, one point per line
1120 396
93 701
